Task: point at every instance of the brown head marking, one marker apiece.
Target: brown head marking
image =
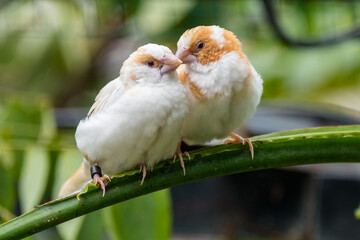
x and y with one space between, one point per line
212 52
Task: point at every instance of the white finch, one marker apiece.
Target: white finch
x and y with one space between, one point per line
222 86
135 121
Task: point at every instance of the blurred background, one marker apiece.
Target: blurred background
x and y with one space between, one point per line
56 55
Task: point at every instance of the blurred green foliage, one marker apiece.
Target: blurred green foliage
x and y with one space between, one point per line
53 53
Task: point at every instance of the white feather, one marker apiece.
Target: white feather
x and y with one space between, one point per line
153 50
140 121
232 89
184 42
105 94
218 35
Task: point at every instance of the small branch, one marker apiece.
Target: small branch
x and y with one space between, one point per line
298 147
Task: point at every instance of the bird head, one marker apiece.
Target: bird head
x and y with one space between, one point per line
206 44
150 63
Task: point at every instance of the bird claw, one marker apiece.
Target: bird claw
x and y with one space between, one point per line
238 139
180 154
101 181
143 169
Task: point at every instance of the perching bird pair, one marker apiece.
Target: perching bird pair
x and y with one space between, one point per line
138 119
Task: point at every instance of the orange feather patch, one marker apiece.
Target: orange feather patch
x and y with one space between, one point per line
212 51
185 81
142 58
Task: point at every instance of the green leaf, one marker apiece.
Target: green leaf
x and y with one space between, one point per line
7 158
357 213
291 148
30 238
33 177
68 161
145 217
5 214
71 229
21 119
87 227
7 194
152 11
316 132
93 227
48 124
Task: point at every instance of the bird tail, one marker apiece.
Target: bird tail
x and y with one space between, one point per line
75 182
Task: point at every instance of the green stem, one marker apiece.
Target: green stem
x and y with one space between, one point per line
298 147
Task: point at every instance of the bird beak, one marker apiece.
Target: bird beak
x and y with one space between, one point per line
185 55
171 62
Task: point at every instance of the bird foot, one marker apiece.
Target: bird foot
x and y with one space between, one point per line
180 154
237 139
102 181
143 170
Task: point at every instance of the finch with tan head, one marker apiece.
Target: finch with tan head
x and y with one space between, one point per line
135 121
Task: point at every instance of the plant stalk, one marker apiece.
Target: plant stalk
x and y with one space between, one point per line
298 147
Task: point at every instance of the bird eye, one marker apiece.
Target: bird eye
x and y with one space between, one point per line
150 63
200 45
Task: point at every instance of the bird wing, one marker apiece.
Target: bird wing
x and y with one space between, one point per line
104 95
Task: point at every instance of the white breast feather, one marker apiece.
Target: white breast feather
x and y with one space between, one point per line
141 126
222 111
